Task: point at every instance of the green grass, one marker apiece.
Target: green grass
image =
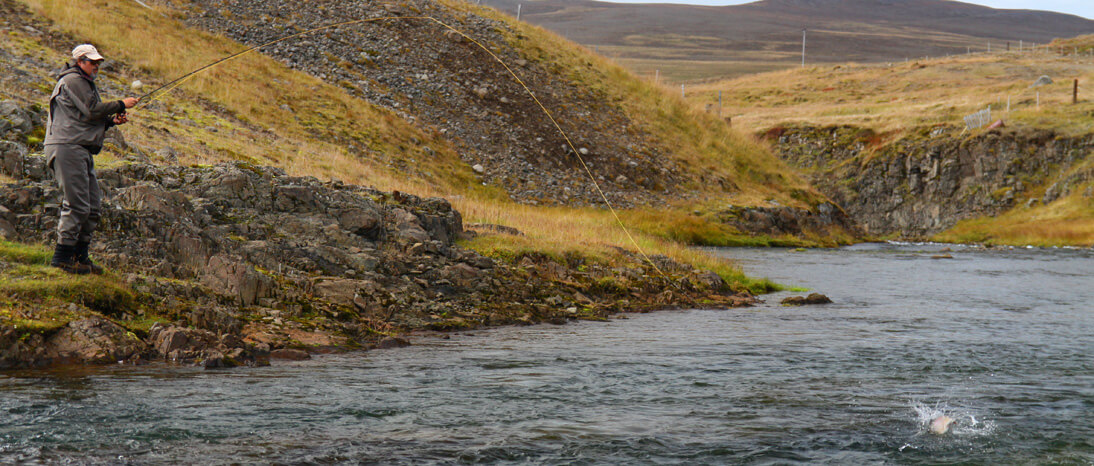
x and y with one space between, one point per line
30 254
37 298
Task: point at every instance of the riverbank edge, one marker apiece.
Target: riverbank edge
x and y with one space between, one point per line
234 264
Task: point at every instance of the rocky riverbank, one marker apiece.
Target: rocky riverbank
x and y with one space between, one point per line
925 182
232 262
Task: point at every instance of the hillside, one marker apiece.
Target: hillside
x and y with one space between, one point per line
692 42
889 143
367 181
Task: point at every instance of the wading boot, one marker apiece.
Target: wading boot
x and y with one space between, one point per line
64 258
83 258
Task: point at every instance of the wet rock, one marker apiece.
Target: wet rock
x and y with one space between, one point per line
813 298
213 359
93 340
393 342
183 345
18 350
289 354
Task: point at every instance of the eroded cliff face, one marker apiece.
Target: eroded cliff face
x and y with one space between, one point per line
925 182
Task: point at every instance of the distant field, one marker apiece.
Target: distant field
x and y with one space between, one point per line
694 43
902 99
913 94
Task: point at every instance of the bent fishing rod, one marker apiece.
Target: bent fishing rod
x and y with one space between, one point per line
168 87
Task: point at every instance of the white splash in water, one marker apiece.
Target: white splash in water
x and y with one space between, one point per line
965 422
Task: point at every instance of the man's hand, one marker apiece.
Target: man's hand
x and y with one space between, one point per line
130 101
121 119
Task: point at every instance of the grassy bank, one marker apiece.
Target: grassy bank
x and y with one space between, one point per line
212 118
909 101
37 298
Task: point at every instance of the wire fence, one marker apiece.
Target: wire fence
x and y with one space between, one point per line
978 119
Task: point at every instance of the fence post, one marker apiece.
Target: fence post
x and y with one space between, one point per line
518 12
803 48
1075 93
720 99
682 91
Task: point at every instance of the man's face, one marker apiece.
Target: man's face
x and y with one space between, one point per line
91 67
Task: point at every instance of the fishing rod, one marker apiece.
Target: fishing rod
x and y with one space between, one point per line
168 87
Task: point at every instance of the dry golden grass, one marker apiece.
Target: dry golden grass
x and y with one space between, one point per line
256 130
898 96
713 153
320 110
588 232
1066 222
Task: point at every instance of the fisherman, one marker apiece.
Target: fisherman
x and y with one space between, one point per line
78 120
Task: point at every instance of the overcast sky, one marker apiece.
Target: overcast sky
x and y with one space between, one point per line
1084 8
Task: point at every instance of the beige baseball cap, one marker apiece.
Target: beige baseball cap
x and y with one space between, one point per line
87 51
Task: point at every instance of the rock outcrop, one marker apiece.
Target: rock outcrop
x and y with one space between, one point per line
245 259
926 182
825 220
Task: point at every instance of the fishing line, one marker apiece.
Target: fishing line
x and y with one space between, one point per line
166 88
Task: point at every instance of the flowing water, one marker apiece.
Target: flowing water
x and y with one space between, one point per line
1001 341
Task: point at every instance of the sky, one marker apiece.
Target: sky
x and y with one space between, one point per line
1084 8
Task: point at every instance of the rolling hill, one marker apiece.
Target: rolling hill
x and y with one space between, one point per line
689 42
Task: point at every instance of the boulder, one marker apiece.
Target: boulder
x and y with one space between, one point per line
813 298
14 119
393 342
408 226
180 344
337 291
289 354
710 280
1042 81
12 155
237 279
93 340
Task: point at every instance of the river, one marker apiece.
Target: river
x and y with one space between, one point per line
1000 340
